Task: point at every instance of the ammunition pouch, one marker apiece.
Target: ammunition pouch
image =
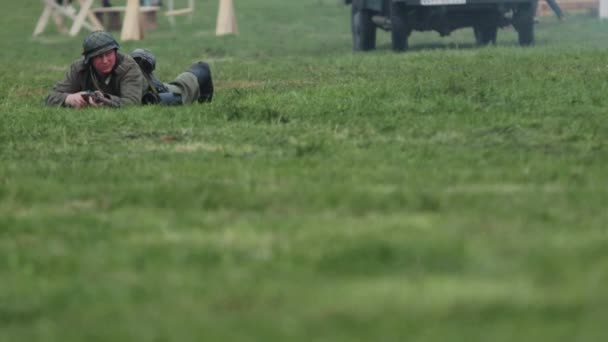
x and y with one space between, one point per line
150 99
158 85
153 96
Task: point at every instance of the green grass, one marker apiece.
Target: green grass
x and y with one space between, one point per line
446 194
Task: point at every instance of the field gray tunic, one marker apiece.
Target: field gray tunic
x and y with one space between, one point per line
126 82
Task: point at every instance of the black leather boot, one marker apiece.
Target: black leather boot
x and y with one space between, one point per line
205 83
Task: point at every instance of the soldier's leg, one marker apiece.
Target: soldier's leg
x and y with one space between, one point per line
195 84
166 99
205 83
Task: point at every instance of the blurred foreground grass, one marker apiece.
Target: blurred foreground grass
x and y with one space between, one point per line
450 193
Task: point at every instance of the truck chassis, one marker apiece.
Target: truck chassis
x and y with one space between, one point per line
402 17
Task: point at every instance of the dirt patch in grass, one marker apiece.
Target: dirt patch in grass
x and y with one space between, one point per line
240 84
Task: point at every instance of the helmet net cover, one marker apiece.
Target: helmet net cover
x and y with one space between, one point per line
97 43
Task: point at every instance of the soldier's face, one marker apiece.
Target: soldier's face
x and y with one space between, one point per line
104 63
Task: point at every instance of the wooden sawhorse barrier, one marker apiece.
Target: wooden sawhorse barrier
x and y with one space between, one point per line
170 13
78 16
85 16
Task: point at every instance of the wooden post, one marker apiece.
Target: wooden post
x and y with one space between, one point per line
604 9
170 8
172 12
59 19
226 19
131 26
191 6
44 19
80 19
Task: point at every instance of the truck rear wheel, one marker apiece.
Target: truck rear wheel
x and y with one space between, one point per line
485 35
524 23
363 29
400 29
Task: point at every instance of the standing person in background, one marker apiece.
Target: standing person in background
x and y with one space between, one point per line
556 9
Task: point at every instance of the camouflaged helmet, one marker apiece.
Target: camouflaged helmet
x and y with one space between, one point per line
145 59
97 43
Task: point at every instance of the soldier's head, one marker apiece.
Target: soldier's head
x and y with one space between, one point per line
145 59
99 49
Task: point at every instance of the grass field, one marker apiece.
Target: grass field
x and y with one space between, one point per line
447 194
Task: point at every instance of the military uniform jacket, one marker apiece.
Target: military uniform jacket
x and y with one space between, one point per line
125 84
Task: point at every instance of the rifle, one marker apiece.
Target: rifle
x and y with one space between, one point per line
99 98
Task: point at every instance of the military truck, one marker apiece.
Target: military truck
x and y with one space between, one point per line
401 17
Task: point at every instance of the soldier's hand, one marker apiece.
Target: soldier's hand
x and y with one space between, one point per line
76 100
92 103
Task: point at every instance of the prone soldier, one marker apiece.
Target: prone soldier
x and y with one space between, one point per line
105 77
100 69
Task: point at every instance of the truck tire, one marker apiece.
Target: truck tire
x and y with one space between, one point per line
400 30
363 29
485 35
524 23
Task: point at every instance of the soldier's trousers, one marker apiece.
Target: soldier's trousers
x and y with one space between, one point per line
193 85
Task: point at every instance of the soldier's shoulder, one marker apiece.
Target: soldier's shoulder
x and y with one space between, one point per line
78 64
126 63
